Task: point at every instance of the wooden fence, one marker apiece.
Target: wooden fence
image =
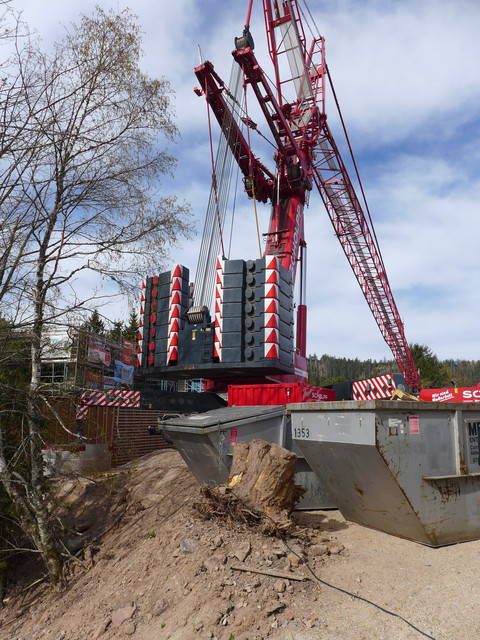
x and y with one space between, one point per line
123 429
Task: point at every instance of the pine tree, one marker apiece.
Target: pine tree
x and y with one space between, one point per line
130 331
117 332
95 324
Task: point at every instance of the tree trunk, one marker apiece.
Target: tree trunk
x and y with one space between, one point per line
263 478
41 531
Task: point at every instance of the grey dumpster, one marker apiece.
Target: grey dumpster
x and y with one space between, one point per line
206 441
407 468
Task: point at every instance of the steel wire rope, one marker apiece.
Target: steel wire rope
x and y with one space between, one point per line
233 213
369 221
210 238
214 176
206 265
317 36
221 182
227 167
208 234
250 162
324 582
397 324
337 104
314 36
242 109
203 253
213 238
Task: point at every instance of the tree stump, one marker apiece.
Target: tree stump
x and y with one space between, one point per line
260 491
262 477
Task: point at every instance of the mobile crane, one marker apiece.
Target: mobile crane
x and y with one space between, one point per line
251 336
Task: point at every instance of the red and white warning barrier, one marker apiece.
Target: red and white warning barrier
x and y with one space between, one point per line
373 388
113 398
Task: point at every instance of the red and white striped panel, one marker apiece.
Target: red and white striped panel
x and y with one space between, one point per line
113 398
140 325
152 322
217 342
373 388
174 314
82 411
272 318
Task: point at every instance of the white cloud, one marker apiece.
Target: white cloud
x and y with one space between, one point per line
403 67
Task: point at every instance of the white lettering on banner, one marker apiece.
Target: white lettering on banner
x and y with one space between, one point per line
468 393
318 396
442 396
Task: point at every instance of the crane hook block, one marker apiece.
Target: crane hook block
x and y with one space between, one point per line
198 314
246 40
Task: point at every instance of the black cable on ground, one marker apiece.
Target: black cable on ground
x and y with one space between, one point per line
328 584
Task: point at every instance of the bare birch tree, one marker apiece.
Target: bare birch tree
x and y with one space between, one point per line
80 167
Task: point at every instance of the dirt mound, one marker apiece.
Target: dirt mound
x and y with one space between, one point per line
152 569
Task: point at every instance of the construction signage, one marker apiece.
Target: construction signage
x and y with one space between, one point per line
94 379
108 398
454 394
128 351
98 352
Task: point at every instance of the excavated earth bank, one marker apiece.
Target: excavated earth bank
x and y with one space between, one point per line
153 569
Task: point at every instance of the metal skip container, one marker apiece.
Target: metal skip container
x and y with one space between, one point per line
410 469
206 442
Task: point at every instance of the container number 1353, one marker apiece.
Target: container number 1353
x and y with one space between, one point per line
301 432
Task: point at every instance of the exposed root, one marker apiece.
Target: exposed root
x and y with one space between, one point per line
224 505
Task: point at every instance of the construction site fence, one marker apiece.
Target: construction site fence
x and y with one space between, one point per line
124 430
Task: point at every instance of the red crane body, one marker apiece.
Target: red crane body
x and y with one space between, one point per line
252 336
306 156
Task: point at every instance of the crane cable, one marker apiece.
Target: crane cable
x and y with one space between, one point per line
214 178
256 219
404 351
247 122
205 275
234 207
372 228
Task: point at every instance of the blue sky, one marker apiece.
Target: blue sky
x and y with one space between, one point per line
408 81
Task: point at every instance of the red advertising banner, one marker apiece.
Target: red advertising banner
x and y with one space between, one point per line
98 352
452 394
128 351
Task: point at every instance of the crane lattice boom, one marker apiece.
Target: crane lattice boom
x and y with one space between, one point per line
308 126
352 229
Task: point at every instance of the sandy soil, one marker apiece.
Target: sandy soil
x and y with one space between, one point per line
156 571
